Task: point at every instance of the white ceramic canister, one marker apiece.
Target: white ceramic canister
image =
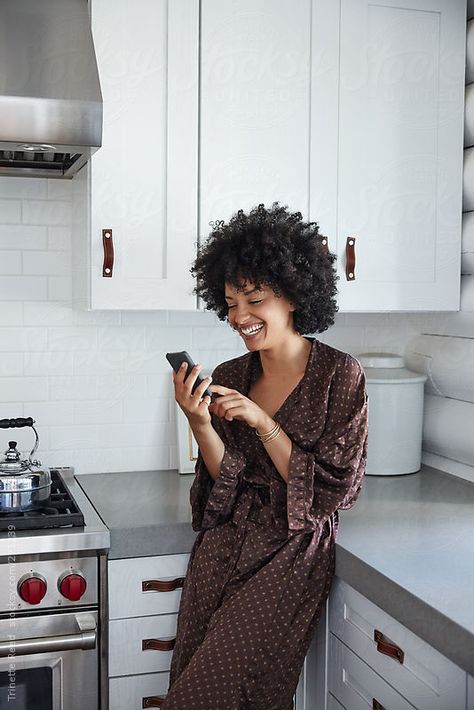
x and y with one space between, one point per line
396 397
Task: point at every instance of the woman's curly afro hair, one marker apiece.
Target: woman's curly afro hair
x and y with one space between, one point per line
275 248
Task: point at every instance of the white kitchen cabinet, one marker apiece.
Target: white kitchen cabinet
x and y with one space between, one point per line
470 692
398 669
142 183
144 595
400 153
351 113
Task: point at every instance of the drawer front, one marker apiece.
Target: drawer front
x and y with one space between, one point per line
334 704
134 585
137 691
127 655
470 692
357 686
425 678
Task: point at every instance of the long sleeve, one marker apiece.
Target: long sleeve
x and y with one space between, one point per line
212 501
330 476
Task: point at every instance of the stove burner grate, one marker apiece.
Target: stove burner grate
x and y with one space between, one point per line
61 511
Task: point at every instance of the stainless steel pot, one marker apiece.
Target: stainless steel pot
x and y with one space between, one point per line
24 485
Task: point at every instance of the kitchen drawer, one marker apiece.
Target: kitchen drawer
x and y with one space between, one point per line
126 636
129 693
334 704
425 678
127 596
357 686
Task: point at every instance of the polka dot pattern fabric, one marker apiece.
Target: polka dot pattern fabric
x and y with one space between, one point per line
263 561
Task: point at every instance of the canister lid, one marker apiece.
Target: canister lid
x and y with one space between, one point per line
381 360
388 368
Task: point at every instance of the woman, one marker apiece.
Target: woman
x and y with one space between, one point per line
282 447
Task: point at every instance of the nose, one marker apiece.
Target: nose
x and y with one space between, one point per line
239 315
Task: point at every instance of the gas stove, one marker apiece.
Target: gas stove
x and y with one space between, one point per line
53 623
61 510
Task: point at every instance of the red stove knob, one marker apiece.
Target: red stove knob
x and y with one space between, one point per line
72 585
32 588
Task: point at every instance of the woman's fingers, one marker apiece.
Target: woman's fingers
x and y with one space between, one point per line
221 390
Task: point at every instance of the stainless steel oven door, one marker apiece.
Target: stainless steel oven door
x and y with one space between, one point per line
49 662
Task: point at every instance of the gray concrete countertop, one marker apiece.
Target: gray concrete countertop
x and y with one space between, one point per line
407 545
147 512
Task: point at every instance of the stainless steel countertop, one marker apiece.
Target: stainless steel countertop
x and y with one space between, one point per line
94 536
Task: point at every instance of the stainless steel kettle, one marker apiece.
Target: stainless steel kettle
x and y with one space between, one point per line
24 485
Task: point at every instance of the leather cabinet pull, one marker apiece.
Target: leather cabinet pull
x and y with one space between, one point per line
153 701
108 244
324 244
158 585
376 705
158 644
389 649
350 258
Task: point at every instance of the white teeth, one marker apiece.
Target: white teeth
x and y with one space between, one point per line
253 329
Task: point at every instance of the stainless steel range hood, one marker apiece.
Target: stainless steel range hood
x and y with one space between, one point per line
50 98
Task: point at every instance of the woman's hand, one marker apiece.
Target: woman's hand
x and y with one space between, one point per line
232 405
195 407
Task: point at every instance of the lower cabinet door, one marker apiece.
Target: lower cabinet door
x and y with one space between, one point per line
136 692
334 704
356 685
141 645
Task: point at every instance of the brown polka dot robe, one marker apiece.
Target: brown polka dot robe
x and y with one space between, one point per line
262 564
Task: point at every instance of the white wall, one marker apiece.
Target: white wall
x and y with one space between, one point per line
97 383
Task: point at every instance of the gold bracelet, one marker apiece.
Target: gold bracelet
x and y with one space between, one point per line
272 430
269 436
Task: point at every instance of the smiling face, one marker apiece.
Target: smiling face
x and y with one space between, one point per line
262 318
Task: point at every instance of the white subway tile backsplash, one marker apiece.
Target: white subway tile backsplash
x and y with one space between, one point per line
10 410
98 412
24 339
10 262
10 211
52 263
59 189
47 313
73 437
121 387
59 238
145 362
59 288
50 413
151 318
104 363
19 288
11 364
119 458
11 313
20 389
20 188
73 388
221 337
51 213
168 339
48 363
146 409
23 237
125 338
80 338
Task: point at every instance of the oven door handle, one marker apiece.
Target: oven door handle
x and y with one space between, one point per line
48 644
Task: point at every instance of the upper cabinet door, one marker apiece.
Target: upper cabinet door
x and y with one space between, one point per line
401 92
143 181
254 106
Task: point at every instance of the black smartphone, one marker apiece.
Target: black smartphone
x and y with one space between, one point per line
175 360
